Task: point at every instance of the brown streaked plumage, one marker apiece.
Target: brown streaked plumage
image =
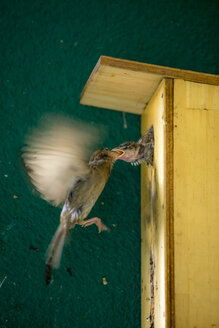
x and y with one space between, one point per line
55 161
140 151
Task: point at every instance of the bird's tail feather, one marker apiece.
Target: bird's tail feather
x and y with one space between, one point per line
54 252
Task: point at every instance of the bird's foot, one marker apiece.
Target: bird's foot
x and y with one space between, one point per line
98 222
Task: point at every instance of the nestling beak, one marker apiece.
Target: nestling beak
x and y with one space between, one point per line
119 152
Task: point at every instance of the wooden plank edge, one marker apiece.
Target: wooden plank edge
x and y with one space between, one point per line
166 72
90 79
169 172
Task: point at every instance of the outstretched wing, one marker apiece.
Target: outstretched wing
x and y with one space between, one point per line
56 155
148 137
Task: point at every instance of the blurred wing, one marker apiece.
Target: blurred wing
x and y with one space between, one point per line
55 156
148 137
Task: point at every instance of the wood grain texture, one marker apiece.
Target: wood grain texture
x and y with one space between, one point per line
160 70
128 86
196 206
154 213
119 89
169 165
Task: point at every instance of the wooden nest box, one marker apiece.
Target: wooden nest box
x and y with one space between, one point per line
180 193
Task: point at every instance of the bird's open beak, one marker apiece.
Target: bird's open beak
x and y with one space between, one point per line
119 152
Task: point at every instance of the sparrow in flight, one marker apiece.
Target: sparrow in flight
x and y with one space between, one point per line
55 157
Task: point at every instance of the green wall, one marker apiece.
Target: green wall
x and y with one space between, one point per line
39 74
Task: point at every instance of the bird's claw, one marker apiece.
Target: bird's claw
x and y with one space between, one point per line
98 222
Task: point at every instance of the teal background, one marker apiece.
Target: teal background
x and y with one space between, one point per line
40 74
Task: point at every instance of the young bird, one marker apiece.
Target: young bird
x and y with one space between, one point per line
140 151
54 159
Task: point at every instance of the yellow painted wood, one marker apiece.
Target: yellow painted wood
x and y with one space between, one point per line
120 89
196 204
154 280
128 85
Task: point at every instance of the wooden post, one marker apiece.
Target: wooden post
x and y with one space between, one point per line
196 205
157 213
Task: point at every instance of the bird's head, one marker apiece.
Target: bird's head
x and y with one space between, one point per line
129 151
102 156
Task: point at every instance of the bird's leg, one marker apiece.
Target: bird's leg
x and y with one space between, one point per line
98 223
